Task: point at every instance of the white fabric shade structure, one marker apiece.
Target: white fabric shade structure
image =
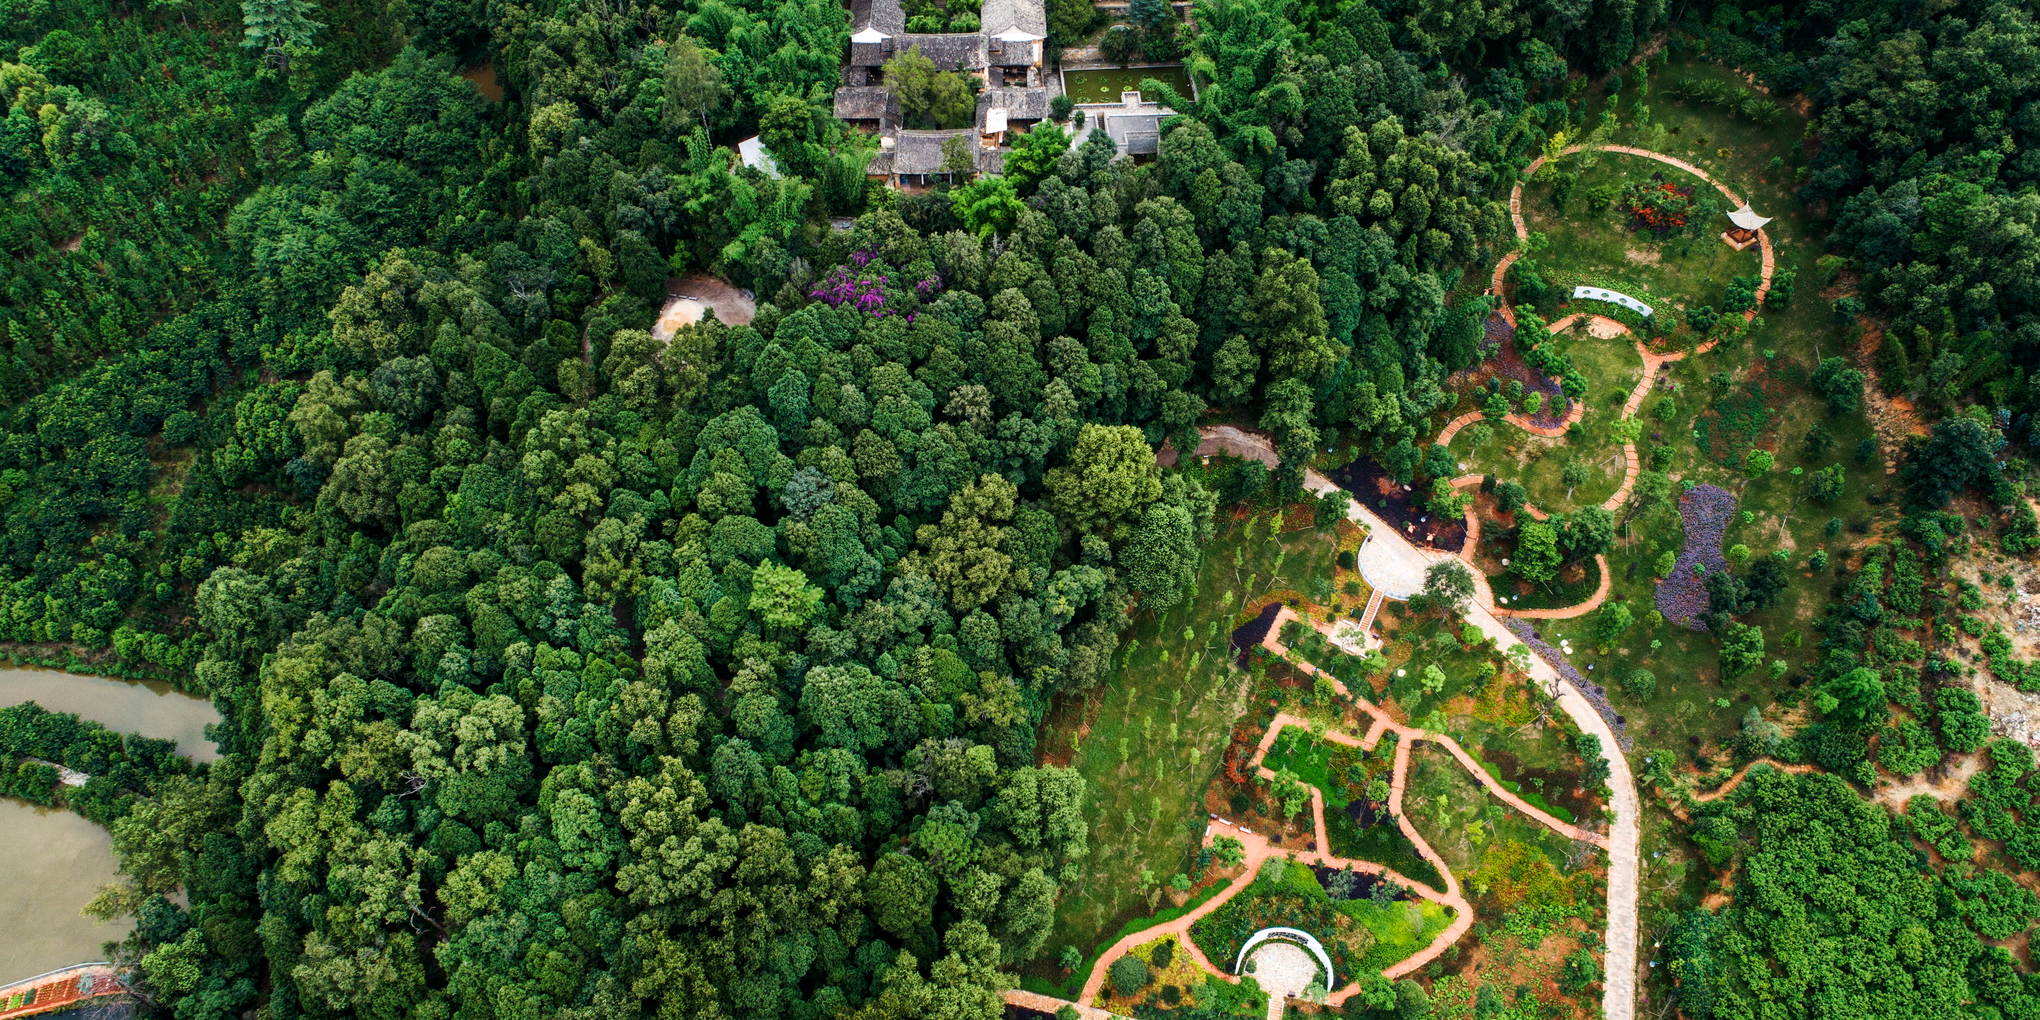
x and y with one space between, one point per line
869 35
1298 936
995 120
1746 218
1613 297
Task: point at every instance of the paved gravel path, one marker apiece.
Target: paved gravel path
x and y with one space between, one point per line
1401 566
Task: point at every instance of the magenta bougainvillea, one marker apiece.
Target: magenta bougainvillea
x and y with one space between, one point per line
849 285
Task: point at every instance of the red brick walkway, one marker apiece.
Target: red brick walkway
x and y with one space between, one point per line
1259 850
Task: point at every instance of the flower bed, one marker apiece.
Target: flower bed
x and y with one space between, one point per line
1705 511
1496 333
1658 205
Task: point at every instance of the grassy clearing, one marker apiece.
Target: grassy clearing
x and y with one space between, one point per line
1538 463
1589 243
1345 775
1400 930
1149 740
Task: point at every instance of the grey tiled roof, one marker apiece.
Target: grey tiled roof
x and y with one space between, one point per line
949 51
885 15
1020 103
1027 16
920 152
864 102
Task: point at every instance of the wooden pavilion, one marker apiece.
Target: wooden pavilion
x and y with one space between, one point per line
1744 223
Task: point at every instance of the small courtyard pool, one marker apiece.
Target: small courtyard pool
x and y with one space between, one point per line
1104 84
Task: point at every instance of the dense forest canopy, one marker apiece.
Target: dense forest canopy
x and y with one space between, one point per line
572 672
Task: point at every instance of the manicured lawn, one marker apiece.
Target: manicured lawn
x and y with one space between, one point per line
1400 930
1538 463
1590 245
1150 739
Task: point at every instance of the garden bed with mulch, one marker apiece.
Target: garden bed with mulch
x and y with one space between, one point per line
1402 509
1504 361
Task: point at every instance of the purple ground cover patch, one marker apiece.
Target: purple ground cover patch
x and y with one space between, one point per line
1706 511
1595 694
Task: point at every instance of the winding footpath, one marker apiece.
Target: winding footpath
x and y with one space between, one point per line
1395 567
1258 849
1606 328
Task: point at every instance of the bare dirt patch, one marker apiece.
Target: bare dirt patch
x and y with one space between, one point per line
689 297
483 78
1643 256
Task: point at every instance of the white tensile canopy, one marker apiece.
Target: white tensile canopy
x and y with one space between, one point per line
1746 218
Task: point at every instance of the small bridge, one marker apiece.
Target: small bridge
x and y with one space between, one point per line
59 989
1612 297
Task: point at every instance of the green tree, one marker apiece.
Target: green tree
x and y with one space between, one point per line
1537 557
782 597
988 206
281 29
1035 154
1742 649
1448 583
1855 699
1110 477
1839 384
929 97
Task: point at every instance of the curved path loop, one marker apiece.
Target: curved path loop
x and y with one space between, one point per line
1523 230
1258 849
1395 567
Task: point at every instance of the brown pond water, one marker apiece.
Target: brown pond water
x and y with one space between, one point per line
150 708
55 863
483 78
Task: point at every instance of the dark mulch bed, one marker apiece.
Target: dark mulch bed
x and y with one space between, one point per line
1362 889
1026 1013
1369 484
1254 631
1503 361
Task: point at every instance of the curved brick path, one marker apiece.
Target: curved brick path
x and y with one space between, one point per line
1258 850
1625 835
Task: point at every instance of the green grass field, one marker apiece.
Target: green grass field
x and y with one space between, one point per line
1149 741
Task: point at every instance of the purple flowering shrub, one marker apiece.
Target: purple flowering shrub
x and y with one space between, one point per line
1595 694
1496 332
1706 511
851 285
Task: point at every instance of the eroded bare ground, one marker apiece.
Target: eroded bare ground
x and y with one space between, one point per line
1946 782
